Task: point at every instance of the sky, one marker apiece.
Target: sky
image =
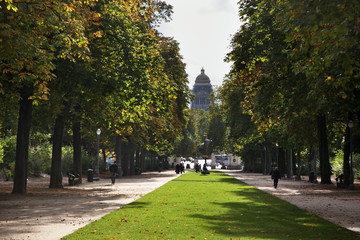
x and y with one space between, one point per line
204 29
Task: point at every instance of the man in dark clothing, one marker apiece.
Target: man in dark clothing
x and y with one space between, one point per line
113 171
205 170
197 167
275 174
177 168
182 169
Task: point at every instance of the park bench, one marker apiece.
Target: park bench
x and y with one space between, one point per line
74 178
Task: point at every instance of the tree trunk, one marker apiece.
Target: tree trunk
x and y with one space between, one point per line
77 148
325 167
346 165
153 160
267 167
125 158
104 155
298 170
281 160
118 153
311 160
290 170
22 142
142 157
132 159
56 174
137 159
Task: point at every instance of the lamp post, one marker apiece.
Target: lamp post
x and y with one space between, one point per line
98 132
351 182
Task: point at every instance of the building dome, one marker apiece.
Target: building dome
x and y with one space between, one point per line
202 90
202 78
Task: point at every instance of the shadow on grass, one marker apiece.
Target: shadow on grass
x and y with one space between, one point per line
138 204
187 180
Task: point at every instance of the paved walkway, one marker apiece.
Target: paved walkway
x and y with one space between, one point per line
51 214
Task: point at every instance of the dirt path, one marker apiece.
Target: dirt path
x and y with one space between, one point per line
340 206
49 214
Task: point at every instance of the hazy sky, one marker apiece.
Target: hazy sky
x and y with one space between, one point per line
204 29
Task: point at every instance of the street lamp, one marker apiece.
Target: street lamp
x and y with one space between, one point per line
98 132
351 182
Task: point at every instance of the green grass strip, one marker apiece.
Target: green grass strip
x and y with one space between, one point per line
214 206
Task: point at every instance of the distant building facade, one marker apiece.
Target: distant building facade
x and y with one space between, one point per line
202 90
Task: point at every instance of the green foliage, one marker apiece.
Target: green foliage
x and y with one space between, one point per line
8 143
337 162
7 155
9 172
33 35
67 160
101 63
214 206
356 164
217 128
292 61
40 154
1 152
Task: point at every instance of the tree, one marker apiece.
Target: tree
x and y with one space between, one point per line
292 81
34 34
322 37
141 74
217 127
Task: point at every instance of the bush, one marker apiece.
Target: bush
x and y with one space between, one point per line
8 154
40 154
9 150
356 164
9 172
85 160
67 160
1 152
337 162
40 159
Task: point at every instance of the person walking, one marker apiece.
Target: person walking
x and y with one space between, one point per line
113 171
177 168
275 174
182 169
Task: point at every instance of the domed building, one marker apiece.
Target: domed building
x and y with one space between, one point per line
202 89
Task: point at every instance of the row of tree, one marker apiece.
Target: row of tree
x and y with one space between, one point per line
70 67
294 81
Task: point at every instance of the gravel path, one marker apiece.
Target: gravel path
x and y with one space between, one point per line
49 214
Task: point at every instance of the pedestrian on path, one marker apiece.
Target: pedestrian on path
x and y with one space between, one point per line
177 168
113 171
275 174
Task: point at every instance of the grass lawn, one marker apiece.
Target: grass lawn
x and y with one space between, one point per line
214 206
